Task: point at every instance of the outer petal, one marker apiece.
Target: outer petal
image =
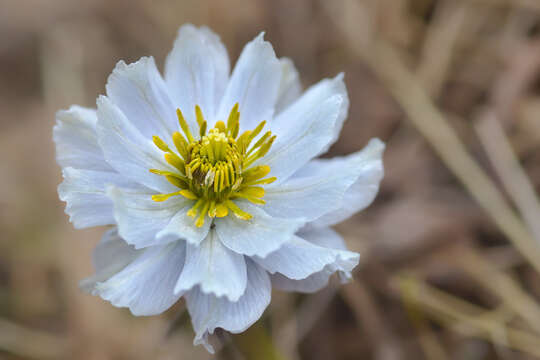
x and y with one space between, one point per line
260 235
84 192
329 87
146 285
297 259
209 312
290 88
320 187
86 173
111 255
360 194
311 284
127 150
254 84
140 93
76 140
303 130
216 269
332 241
197 71
140 219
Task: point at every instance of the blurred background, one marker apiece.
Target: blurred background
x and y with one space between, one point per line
450 249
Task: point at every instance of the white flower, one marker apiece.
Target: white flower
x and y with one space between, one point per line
211 183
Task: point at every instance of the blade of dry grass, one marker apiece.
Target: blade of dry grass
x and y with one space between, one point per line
463 316
439 46
501 284
507 166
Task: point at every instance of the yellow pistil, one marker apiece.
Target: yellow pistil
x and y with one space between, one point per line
217 168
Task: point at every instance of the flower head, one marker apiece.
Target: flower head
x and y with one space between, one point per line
210 182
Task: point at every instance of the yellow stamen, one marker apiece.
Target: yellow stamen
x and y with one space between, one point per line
193 211
220 125
188 194
163 197
216 170
184 125
178 182
181 144
221 210
237 211
234 116
199 115
200 219
212 209
175 161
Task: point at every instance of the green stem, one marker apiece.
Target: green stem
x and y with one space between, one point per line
255 344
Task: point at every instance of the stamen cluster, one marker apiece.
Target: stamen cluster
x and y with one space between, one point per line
217 168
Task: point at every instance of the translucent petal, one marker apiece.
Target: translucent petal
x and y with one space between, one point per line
325 238
209 312
84 192
140 219
363 191
76 140
216 269
139 91
127 150
183 226
254 84
110 256
145 286
260 235
303 130
197 71
297 259
290 87
326 185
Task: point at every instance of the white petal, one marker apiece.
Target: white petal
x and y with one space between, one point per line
112 250
319 187
216 269
146 285
140 218
110 256
297 259
84 193
254 84
260 235
209 312
196 72
183 226
330 240
311 284
76 140
303 130
327 88
139 91
363 191
129 152
325 237
290 88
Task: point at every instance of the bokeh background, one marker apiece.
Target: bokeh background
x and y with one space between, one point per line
450 248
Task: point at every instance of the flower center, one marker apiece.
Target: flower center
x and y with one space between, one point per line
217 168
